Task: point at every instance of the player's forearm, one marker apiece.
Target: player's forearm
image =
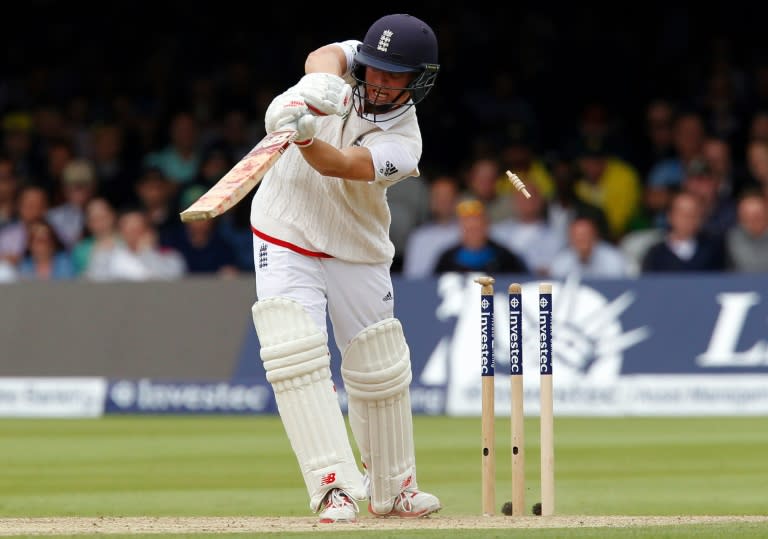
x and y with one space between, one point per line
349 164
327 59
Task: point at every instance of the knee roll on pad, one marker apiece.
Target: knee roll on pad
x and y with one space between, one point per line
376 369
297 362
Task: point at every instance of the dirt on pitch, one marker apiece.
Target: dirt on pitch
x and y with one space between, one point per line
261 525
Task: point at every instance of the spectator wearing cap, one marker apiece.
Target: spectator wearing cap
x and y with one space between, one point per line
747 243
78 182
685 247
718 208
476 251
608 182
588 255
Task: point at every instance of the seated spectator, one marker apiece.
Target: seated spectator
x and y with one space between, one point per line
747 243
476 251
204 249
666 176
719 209
656 144
31 207
101 233
481 183
518 154
157 199
566 206
137 257
9 185
180 159
685 247
529 233
608 182
115 170
757 165
587 255
45 258
78 183
427 241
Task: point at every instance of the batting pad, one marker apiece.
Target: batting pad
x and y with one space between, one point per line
297 362
376 369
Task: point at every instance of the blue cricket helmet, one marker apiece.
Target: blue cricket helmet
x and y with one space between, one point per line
400 43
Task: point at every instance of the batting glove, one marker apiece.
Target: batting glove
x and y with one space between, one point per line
286 108
325 94
305 129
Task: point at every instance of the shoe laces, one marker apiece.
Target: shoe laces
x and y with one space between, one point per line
405 500
338 498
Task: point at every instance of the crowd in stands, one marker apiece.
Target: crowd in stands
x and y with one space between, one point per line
91 183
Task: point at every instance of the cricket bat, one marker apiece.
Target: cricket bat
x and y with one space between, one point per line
241 178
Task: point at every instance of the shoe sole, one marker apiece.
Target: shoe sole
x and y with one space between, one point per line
403 514
339 521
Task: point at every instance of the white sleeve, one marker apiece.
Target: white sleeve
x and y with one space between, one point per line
393 162
350 48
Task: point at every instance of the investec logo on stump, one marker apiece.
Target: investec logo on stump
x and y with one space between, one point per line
515 367
148 396
486 344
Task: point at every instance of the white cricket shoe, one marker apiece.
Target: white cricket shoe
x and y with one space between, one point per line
412 504
338 506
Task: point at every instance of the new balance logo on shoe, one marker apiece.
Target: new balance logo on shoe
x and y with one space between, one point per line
388 297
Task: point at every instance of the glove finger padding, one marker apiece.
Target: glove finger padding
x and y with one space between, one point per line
325 93
286 108
305 127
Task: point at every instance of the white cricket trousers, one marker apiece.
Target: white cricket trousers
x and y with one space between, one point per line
353 295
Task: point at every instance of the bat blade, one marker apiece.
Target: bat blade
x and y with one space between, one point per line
241 178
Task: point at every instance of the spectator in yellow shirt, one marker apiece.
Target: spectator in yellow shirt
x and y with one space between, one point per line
609 182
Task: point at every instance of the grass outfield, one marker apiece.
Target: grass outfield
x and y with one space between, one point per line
243 466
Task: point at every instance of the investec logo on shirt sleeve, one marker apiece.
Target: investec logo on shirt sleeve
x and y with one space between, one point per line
159 397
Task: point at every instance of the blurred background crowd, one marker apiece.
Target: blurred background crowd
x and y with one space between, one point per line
640 131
